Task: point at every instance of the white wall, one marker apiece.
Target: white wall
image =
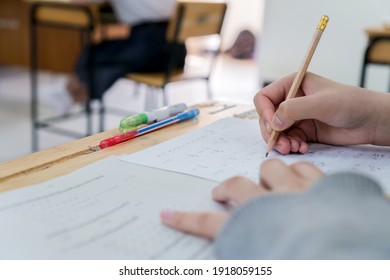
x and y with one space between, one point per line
289 26
241 14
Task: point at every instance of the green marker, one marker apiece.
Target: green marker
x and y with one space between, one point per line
132 122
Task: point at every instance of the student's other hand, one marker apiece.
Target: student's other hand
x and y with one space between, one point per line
323 111
275 177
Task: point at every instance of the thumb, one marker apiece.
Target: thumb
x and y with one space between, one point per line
296 109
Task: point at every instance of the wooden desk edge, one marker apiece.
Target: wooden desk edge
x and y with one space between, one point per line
377 31
60 160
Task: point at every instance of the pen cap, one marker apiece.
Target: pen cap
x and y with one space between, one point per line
131 122
176 109
166 112
190 114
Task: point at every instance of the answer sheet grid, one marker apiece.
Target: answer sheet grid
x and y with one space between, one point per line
231 147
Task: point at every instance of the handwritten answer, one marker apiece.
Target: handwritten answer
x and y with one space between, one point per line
107 210
234 146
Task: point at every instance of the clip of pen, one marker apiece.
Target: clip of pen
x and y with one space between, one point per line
187 115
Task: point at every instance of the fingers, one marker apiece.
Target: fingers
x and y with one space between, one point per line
280 178
267 100
237 190
307 170
289 142
318 100
302 108
233 191
275 93
277 176
205 224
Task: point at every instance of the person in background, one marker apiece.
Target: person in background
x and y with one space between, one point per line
295 211
139 45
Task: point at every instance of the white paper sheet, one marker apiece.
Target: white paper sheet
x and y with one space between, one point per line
107 210
110 209
234 146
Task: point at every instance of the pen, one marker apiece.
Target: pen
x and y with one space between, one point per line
187 115
300 74
131 122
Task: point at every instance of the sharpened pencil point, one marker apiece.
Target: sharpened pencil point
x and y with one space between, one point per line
266 154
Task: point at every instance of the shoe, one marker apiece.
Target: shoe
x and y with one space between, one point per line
244 46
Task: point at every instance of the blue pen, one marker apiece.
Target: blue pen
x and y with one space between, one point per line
190 114
187 115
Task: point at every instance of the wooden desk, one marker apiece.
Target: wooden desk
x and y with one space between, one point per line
377 31
60 160
377 51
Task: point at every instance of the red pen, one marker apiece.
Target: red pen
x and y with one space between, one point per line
115 140
190 114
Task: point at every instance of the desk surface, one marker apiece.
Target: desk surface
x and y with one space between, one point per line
60 160
377 31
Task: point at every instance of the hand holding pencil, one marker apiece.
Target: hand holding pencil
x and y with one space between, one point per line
324 111
300 74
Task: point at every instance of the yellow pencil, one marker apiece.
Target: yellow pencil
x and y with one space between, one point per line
300 74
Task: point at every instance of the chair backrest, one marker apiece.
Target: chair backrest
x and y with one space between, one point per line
62 14
378 50
196 18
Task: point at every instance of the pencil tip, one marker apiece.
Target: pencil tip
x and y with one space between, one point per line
266 154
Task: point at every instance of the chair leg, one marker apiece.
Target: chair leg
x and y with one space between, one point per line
102 111
209 91
34 83
34 110
88 111
363 75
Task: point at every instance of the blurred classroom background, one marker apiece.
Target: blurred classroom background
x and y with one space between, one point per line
282 30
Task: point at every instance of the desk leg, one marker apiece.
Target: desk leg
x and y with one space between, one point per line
91 77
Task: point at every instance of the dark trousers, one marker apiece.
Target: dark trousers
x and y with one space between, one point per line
146 50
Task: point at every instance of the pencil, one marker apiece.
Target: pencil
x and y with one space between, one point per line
300 74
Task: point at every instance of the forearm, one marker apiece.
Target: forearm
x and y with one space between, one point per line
381 130
344 216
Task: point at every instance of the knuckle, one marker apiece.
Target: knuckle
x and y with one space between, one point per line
270 164
285 109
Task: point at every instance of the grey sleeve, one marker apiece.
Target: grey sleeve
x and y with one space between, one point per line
343 216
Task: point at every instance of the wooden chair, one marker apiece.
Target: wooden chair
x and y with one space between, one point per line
191 19
84 19
57 15
377 52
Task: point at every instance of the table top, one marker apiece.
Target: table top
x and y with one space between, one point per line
377 31
60 160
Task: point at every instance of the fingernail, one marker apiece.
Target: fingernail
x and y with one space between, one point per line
278 147
167 215
277 122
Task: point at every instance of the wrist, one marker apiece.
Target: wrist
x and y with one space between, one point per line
381 128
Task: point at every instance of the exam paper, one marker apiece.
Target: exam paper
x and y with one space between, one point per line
107 210
234 146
